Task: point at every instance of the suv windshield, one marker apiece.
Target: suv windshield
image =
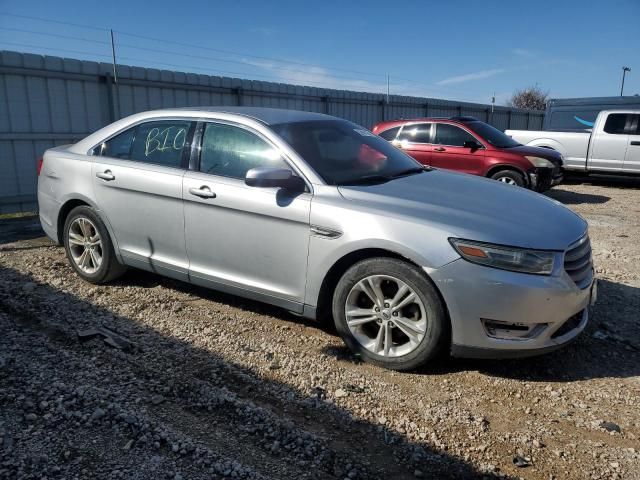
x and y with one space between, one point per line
344 153
492 135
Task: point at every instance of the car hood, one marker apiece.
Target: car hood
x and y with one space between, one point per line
473 208
547 153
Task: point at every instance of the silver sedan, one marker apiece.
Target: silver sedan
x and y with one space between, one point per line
319 216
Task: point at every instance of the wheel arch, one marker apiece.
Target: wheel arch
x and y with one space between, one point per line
335 272
79 201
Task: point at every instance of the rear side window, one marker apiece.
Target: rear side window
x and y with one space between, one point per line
230 151
615 124
451 135
159 143
416 133
390 134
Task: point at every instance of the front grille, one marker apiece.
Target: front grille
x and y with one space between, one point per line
578 263
572 323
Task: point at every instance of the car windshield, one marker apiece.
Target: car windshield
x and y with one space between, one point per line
343 153
492 135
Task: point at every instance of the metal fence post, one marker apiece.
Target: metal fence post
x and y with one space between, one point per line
509 119
238 92
108 81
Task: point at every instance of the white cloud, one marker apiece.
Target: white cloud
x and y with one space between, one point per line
521 52
468 77
265 31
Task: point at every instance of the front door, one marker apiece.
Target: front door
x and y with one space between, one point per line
449 151
632 157
609 144
247 240
137 178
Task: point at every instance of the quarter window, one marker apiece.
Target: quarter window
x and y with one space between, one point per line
451 135
390 134
160 143
416 133
615 124
230 151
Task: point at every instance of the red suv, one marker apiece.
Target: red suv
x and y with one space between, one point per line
468 145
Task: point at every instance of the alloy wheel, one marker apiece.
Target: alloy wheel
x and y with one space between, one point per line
85 245
507 180
385 316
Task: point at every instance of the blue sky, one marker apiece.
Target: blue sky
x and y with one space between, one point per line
463 50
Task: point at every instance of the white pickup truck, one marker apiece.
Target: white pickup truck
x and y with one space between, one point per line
612 146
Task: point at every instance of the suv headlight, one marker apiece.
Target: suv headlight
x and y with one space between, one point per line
539 162
539 262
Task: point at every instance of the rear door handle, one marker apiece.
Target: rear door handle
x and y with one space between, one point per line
635 143
106 175
439 149
202 192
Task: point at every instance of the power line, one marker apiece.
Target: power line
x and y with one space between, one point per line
150 64
283 68
190 45
156 50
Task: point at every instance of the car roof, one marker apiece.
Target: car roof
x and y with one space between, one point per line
268 116
401 121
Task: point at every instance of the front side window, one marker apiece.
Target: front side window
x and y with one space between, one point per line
160 143
451 135
416 133
231 151
344 153
615 124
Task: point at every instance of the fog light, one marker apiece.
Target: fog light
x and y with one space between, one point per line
512 330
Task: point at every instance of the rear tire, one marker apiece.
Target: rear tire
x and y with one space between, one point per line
88 247
403 327
509 177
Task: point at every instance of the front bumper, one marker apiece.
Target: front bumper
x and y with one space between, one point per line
497 314
542 179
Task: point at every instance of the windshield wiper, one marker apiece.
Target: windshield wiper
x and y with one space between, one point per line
410 171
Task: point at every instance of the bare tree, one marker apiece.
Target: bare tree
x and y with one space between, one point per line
531 98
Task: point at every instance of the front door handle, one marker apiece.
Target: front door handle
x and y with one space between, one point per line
202 192
635 143
439 149
106 175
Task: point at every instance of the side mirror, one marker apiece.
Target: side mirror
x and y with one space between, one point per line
268 177
472 144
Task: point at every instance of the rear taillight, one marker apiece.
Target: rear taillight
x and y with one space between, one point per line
39 166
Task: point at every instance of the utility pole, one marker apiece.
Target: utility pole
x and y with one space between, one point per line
113 56
624 72
387 89
493 103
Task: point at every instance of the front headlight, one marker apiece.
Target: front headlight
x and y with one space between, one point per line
516 259
539 162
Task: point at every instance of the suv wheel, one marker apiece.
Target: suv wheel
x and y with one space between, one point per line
389 313
509 177
89 248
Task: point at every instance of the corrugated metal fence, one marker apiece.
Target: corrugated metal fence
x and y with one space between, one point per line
47 101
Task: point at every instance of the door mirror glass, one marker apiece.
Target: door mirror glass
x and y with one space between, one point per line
269 177
472 144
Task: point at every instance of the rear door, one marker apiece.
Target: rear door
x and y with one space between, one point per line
632 157
609 143
415 139
449 151
137 178
247 240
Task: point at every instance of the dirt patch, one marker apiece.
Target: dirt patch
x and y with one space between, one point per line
223 387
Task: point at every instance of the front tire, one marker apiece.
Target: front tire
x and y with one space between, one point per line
88 247
388 312
509 177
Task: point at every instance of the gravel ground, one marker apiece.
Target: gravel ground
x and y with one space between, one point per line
213 386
